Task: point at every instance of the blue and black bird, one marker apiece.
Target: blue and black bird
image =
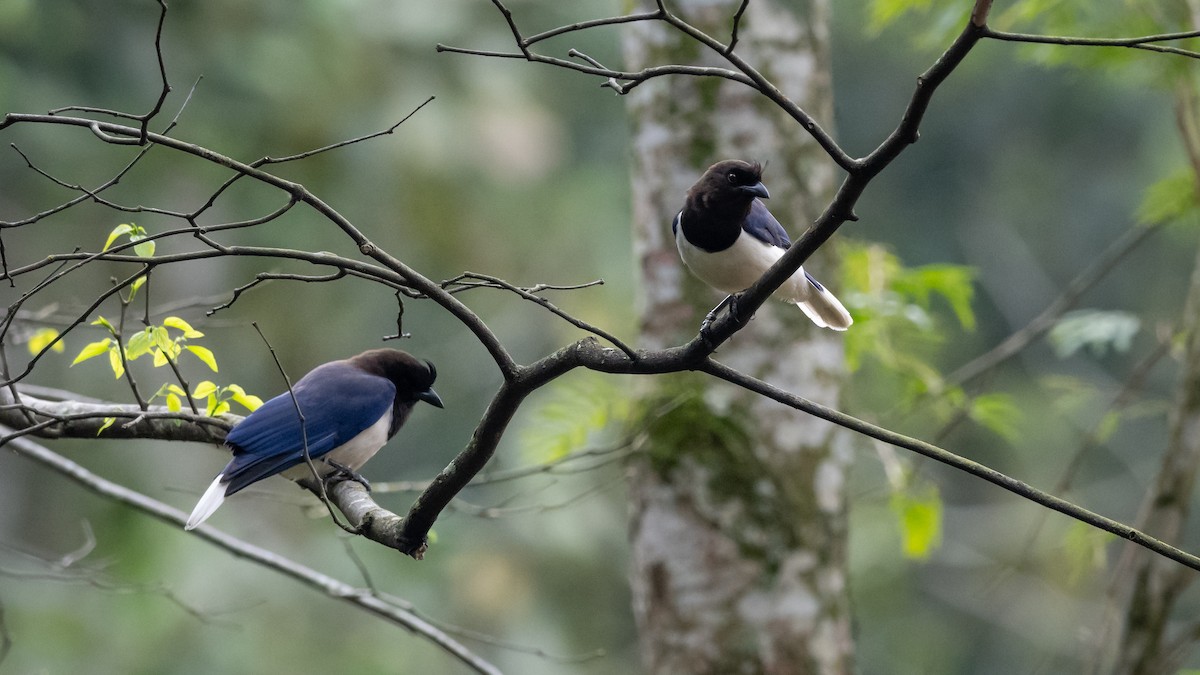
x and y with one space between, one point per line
728 238
351 408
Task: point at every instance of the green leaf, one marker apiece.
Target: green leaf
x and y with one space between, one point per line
1169 199
570 415
174 403
919 515
952 282
42 338
139 344
997 413
101 321
188 331
163 339
1084 552
219 409
1098 330
203 389
108 422
239 396
114 360
123 228
205 355
145 249
92 350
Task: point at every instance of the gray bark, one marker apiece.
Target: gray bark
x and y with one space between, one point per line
738 520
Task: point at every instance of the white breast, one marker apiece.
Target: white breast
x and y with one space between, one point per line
736 268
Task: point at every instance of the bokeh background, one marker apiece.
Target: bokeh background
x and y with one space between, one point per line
1025 172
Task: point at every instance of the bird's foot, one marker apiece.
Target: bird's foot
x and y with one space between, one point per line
730 300
343 472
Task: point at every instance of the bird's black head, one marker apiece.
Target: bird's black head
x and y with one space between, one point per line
413 377
732 181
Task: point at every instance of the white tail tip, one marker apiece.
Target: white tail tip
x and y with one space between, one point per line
209 502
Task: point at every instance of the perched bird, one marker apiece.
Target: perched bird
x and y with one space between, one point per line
728 238
351 408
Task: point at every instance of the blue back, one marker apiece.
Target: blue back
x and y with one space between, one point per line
338 400
761 225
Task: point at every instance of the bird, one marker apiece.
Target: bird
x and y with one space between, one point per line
728 238
350 407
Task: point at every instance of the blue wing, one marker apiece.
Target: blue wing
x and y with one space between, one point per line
338 400
675 223
761 225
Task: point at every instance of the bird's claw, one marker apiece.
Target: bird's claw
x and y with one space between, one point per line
343 472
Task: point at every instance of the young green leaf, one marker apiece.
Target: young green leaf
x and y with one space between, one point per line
174 404
919 515
101 321
205 355
108 422
114 360
204 389
997 413
42 338
176 322
145 249
139 344
123 228
162 339
239 396
92 350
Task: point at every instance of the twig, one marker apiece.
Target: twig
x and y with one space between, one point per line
318 484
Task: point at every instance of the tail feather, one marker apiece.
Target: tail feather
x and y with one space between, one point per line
824 308
209 502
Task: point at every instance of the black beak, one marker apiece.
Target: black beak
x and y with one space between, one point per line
758 190
430 396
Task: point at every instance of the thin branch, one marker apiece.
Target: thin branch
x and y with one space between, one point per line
359 598
342 144
1145 42
1099 268
931 451
530 295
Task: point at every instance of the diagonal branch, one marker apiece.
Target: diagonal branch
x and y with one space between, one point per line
931 451
362 599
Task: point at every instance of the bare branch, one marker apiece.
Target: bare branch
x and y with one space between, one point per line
1146 42
359 598
931 451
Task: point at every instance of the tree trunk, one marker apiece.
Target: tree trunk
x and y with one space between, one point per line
738 520
1146 587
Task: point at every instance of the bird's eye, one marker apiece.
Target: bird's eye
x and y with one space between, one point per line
733 179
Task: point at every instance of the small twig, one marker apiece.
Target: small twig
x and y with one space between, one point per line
342 144
737 20
529 294
319 489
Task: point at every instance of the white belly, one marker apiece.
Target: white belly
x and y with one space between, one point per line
352 454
